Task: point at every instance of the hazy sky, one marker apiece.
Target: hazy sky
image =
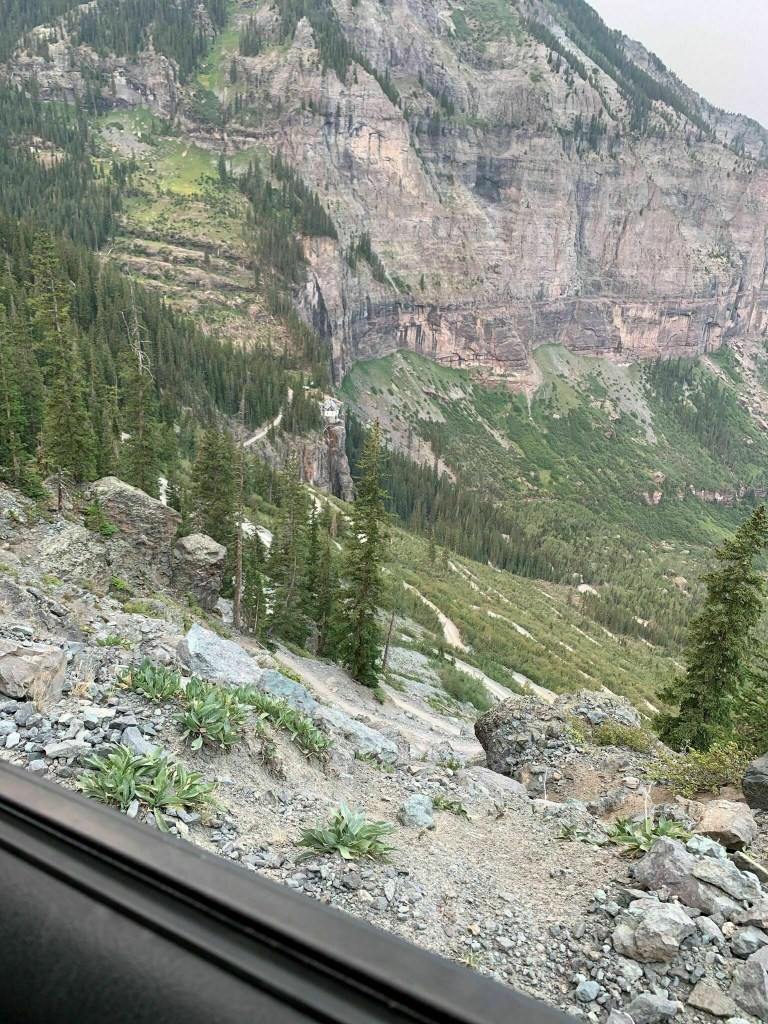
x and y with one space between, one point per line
716 46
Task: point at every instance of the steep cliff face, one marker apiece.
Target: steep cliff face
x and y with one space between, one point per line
518 188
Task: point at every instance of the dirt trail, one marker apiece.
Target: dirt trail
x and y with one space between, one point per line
263 431
422 728
501 692
450 629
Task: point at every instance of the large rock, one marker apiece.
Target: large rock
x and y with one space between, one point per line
482 781
142 520
726 876
31 672
197 568
515 733
364 740
712 1000
651 932
222 661
755 783
665 863
730 823
747 941
750 984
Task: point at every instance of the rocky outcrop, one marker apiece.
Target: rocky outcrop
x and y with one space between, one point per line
197 568
30 671
145 527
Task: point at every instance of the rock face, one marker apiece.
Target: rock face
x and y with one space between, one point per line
31 671
197 567
729 823
514 731
536 214
145 523
755 783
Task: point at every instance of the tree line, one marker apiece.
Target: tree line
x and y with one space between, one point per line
303 590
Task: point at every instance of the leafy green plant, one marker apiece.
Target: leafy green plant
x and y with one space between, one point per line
303 731
154 681
444 803
217 718
614 734
348 834
639 838
119 585
575 731
701 772
115 641
153 780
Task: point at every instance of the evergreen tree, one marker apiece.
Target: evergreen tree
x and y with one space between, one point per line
214 485
721 643
287 562
13 419
253 599
141 454
360 636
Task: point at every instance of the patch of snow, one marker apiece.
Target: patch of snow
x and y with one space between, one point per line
162 485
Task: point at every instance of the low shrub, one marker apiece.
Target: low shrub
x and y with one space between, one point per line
444 803
614 734
348 834
687 774
464 688
153 681
157 783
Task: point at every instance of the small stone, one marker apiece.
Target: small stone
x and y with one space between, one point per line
650 1009
417 812
587 991
133 809
38 766
12 740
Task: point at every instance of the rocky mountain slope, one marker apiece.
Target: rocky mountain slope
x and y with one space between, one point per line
481 869
523 175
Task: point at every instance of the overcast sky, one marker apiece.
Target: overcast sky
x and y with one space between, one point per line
718 47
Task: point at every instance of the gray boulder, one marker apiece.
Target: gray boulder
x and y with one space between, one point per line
730 823
651 932
694 893
712 1000
31 672
755 783
516 733
703 846
364 740
197 568
726 876
222 661
750 984
417 812
141 519
650 1009
665 863
481 781
747 941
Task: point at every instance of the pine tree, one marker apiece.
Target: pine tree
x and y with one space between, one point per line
13 420
67 439
140 456
287 562
721 643
360 636
253 601
214 486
